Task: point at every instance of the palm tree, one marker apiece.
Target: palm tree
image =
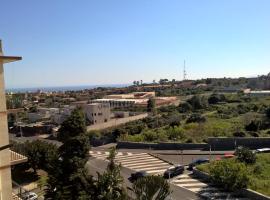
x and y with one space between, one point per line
151 188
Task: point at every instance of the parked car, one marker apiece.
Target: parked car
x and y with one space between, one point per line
226 156
263 150
30 196
197 162
135 176
173 171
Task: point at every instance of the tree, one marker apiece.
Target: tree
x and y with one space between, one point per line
151 106
254 125
184 107
110 184
196 117
245 155
39 153
197 102
213 99
72 126
230 174
11 119
68 178
151 188
267 112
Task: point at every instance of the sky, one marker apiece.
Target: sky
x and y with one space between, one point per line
93 42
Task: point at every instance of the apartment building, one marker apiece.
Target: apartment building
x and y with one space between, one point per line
7 157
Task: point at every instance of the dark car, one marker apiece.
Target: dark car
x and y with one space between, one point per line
198 162
173 171
135 176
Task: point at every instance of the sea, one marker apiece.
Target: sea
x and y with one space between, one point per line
63 88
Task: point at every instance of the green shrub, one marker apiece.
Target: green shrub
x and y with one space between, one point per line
230 174
245 155
196 118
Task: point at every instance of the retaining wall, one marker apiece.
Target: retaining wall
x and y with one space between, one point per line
161 146
232 143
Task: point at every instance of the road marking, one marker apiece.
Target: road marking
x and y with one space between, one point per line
151 165
145 163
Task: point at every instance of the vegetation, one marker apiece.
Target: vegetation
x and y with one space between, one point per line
245 155
229 174
258 173
70 180
200 117
151 188
151 106
39 154
109 185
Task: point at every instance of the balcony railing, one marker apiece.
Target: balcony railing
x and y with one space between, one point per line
17 158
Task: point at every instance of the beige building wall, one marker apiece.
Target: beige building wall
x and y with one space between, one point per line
97 112
5 173
5 155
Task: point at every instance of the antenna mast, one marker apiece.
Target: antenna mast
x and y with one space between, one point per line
184 72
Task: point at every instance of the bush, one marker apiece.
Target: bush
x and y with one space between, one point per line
216 98
184 107
245 155
176 133
239 134
198 102
230 174
196 118
254 125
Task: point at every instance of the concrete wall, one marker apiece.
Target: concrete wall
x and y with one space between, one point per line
160 146
215 143
231 143
116 122
97 113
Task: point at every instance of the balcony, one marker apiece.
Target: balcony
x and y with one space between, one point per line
16 158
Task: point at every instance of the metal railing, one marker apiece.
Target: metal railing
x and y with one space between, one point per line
16 158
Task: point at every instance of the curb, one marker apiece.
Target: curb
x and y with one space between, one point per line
151 154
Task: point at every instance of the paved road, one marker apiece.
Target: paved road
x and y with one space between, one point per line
184 185
98 165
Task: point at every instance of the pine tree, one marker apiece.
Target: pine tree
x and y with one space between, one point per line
68 178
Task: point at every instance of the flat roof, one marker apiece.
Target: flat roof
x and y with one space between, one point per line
260 91
8 59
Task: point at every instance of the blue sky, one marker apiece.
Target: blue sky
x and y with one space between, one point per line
88 42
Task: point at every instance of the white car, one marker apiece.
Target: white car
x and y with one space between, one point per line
30 196
263 150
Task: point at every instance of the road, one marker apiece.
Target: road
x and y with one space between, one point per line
97 165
